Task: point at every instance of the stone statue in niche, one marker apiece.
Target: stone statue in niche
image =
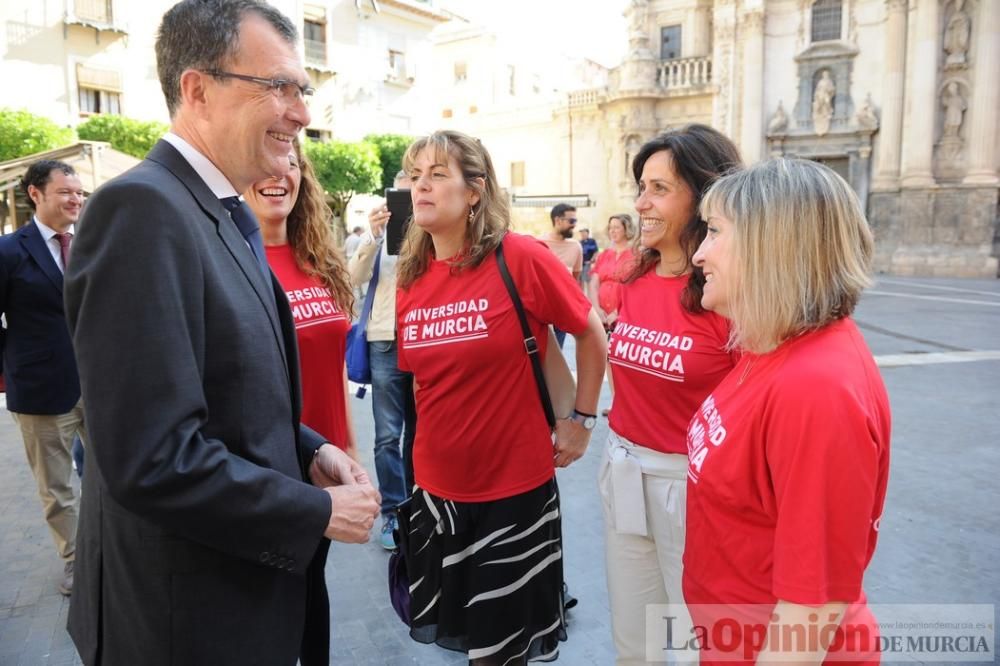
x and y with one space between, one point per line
954 108
866 114
950 145
822 106
637 16
632 147
779 121
956 35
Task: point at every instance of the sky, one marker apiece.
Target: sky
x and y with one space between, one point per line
594 29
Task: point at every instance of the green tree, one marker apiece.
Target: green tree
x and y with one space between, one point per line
391 148
344 169
23 133
128 135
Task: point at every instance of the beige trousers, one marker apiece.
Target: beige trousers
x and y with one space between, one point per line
48 440
643 552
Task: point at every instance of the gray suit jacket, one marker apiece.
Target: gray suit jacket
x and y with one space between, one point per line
197 524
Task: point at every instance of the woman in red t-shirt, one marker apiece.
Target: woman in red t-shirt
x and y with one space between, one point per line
486 567
301 252
789 456
666 354
611 267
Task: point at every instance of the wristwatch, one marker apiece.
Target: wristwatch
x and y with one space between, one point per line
588 421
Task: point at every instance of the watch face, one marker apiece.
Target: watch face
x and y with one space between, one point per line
589 422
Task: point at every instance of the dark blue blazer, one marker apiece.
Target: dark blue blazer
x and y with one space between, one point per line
37 354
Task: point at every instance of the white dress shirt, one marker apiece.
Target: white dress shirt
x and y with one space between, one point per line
208 172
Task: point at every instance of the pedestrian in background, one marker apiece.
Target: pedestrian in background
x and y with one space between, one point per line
36 353
589 247
352 242
666 354
560 240
487 571
789 455
301 251
613 264
392 389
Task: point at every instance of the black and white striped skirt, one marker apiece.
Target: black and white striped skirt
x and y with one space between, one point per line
486 577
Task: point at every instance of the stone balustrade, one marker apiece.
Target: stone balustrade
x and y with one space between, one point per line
587 97
683 73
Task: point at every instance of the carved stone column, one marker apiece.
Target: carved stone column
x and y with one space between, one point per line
918 141
752 125
985 97
891 132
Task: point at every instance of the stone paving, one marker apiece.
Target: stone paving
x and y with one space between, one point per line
940 532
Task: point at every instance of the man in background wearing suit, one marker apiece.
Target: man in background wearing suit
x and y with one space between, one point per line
43 388
204 499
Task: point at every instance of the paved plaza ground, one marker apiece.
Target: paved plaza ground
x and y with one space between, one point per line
938 342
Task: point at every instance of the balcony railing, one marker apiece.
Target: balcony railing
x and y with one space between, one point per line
587 97
97 11
315 52
685 73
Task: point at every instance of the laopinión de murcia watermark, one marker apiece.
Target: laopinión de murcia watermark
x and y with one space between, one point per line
930 633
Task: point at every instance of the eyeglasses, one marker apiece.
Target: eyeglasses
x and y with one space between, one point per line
284 89
571 220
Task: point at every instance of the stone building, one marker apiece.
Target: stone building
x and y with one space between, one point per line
900 97
369 60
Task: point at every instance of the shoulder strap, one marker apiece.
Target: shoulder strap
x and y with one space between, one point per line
366 311
530 343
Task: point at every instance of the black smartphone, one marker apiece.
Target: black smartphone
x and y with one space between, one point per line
400 213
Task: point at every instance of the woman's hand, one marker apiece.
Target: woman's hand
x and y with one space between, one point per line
377 219
571 442
611 318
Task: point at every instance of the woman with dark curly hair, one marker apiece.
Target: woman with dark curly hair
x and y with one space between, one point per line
294 221
666 354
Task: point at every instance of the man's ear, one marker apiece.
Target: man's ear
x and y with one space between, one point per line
193 88
35 194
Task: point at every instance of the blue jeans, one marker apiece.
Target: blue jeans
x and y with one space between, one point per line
77 452
395 416
560 336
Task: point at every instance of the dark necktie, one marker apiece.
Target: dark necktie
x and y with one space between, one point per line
247 224
64 240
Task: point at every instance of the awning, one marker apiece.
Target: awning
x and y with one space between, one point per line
95 161
550 200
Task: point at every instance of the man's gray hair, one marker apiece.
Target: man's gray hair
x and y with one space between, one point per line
204 35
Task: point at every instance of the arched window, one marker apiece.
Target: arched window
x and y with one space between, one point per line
826 18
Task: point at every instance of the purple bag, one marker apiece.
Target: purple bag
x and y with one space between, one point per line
399 578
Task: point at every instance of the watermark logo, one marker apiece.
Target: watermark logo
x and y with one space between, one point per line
929 633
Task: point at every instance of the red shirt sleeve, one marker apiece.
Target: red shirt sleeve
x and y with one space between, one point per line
823 457
547 289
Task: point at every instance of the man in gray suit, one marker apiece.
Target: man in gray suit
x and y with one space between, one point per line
198 519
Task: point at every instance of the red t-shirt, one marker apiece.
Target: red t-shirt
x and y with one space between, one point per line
321 330
483 434
665 360
611 268
788 465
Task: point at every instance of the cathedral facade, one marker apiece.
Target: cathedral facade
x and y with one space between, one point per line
898 96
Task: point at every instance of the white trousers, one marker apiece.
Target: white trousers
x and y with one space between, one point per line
644 494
